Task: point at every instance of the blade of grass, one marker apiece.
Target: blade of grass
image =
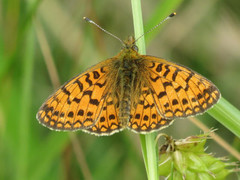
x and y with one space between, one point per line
25 107
32 7
228 115
144 151
23 27
138 25
148 140
52 70
25 102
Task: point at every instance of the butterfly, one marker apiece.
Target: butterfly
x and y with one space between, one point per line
139 92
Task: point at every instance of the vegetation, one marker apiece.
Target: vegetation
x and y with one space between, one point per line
44 43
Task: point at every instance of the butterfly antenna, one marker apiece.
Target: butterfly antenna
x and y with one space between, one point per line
170 16
92 22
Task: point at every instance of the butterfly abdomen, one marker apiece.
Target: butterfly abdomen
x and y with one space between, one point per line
127 74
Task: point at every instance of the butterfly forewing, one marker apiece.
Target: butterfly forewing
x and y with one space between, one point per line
177 90
79 102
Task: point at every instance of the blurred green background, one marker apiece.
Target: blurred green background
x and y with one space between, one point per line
205 36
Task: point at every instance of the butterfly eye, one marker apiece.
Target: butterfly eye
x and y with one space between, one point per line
135 48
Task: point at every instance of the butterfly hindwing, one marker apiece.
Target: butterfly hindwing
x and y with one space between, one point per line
145 116
108 121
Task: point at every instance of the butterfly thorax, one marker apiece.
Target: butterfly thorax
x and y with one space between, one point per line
126 78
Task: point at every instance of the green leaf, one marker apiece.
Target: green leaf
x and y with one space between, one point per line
227 115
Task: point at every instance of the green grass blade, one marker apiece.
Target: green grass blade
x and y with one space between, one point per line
228 115
144 150
25 106
138 25
148 140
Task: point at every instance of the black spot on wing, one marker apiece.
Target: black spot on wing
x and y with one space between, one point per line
96 75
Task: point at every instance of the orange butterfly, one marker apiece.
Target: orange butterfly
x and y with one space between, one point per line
139 92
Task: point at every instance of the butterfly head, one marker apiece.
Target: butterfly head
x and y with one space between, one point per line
130 44
129 50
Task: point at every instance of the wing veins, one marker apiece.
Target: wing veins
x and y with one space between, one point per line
65 86
179 85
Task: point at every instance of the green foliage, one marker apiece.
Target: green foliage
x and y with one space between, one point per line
187 159
203 40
